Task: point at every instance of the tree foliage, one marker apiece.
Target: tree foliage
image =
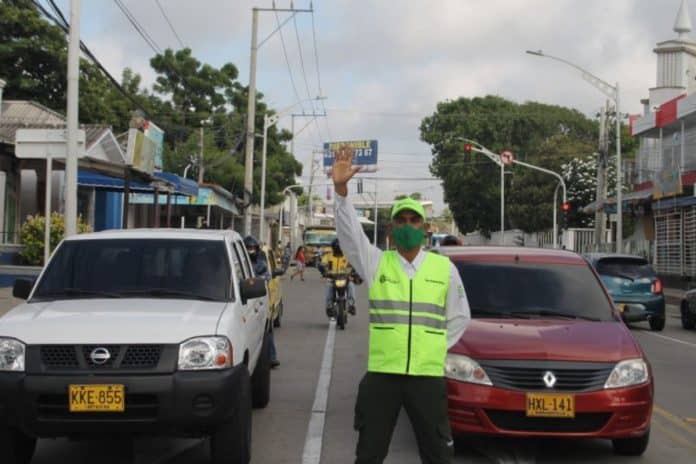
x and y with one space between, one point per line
33 57
543 135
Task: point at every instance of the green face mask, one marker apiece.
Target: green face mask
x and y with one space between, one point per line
407 237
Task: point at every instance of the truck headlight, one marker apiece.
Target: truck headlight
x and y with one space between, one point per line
628 373
12 355
205 353
465 369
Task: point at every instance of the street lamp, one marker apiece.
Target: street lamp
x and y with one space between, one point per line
472 145
268 122
611 91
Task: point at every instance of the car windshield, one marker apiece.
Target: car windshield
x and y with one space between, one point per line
320 238
631 268
142 268
534 290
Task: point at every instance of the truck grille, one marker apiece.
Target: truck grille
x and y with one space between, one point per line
529 375
519 422
71 357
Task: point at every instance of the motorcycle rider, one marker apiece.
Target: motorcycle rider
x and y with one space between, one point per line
337 263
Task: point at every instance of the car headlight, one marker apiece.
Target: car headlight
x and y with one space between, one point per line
12 354
628 373
205 353
465 369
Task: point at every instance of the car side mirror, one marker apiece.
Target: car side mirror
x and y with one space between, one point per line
22 288
252 288
278 273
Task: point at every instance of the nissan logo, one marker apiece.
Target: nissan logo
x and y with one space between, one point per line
100 355
549 379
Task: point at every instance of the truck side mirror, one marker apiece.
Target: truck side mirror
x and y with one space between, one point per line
22 288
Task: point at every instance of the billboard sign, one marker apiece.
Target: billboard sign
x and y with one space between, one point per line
364 154
145 147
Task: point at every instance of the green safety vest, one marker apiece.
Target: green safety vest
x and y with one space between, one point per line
408 323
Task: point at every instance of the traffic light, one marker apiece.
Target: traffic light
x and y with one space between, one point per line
564 217
467 151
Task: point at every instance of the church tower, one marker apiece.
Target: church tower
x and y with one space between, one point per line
676 62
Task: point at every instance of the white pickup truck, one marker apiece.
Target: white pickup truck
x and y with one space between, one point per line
137 332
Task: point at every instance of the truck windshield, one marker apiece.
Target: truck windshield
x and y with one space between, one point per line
319 238
138 268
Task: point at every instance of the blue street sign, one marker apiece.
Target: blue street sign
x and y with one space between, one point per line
364 154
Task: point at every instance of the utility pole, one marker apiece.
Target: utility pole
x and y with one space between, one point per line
251 105
72 120
309 198
602 164
201 167
251 124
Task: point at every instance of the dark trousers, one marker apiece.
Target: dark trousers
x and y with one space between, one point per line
380 398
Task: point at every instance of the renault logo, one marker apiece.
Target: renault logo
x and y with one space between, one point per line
549 379
100 355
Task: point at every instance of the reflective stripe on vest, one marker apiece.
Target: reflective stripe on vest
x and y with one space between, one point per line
408 323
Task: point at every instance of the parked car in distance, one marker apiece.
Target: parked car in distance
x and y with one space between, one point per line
275 287
688 309
546 353
137 332
634 286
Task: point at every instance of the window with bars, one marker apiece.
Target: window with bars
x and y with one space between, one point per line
668 238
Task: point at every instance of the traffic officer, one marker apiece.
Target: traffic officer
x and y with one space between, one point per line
418 309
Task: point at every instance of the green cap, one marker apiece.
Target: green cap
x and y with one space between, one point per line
410 204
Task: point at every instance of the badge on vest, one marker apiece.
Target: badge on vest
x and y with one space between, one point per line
384 279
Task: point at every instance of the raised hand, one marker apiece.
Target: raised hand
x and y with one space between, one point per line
343 169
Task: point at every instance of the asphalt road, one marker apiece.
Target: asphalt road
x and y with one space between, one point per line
280 431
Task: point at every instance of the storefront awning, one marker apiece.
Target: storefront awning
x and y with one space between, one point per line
104 182
182 186
609 205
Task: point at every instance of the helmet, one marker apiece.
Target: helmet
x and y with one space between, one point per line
450 240
250 242
336 247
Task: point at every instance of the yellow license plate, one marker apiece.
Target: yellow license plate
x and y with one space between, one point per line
97 398
550 405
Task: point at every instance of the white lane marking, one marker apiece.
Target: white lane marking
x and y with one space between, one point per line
315 431
675 340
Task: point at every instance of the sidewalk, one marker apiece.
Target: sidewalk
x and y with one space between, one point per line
673 296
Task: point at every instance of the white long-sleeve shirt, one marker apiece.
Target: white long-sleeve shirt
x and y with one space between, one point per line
365 259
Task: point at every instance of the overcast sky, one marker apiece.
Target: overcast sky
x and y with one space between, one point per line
385 64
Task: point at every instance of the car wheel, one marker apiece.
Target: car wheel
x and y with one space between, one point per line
657 323
261 380
18 447
631 446
276 321
230 443
687 320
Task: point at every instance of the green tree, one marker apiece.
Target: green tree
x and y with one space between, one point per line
472 184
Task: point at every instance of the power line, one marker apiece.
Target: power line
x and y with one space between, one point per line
171 26
316 63
287 60
138 27
65 26
304 75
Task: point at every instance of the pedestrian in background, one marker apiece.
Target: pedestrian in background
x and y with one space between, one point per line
406 360
299 263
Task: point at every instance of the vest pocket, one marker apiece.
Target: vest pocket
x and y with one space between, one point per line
382 328
435 332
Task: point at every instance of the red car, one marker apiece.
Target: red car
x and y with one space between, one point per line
546 353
